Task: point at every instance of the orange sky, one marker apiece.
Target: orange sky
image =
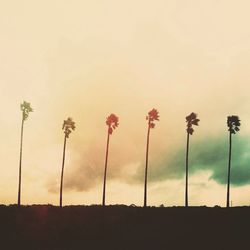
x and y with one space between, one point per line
86 59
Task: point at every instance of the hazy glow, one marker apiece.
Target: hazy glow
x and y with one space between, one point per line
86 59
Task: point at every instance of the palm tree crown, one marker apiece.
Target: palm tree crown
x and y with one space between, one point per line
152 116
25 108
68 126
112 122
233 123
191 120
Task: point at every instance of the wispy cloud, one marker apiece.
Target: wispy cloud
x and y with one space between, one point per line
208 155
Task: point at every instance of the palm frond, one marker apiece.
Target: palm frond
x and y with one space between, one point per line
152 116
26 109
233 123
191 120
112 121
68 126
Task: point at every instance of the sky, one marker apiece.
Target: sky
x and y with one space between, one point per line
88 59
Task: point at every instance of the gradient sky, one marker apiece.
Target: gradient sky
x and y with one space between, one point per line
87 59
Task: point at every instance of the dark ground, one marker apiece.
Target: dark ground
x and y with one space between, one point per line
121 227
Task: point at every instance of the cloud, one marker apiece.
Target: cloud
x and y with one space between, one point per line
209 154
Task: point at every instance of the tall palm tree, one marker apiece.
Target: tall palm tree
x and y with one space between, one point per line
26 109
68 126
152 116
112 123
233 124
190 120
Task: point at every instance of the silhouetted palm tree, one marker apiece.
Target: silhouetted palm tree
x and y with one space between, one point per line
68 126
26 109
152 116
112 123
190 120
233 124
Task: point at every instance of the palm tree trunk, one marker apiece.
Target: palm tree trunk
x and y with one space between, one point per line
20 166
105 171
146 169
229 169
61 186
187 152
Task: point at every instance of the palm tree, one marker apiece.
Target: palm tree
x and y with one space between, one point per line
233 124
112 123
152 116
190 120
68 126
26 109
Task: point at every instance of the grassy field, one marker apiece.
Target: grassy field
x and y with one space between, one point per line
121 227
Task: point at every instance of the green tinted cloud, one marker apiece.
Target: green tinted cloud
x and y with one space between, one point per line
209 154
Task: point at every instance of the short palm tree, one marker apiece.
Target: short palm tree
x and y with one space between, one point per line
233 124
190 120
112 123
26 109
68 126
152 116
